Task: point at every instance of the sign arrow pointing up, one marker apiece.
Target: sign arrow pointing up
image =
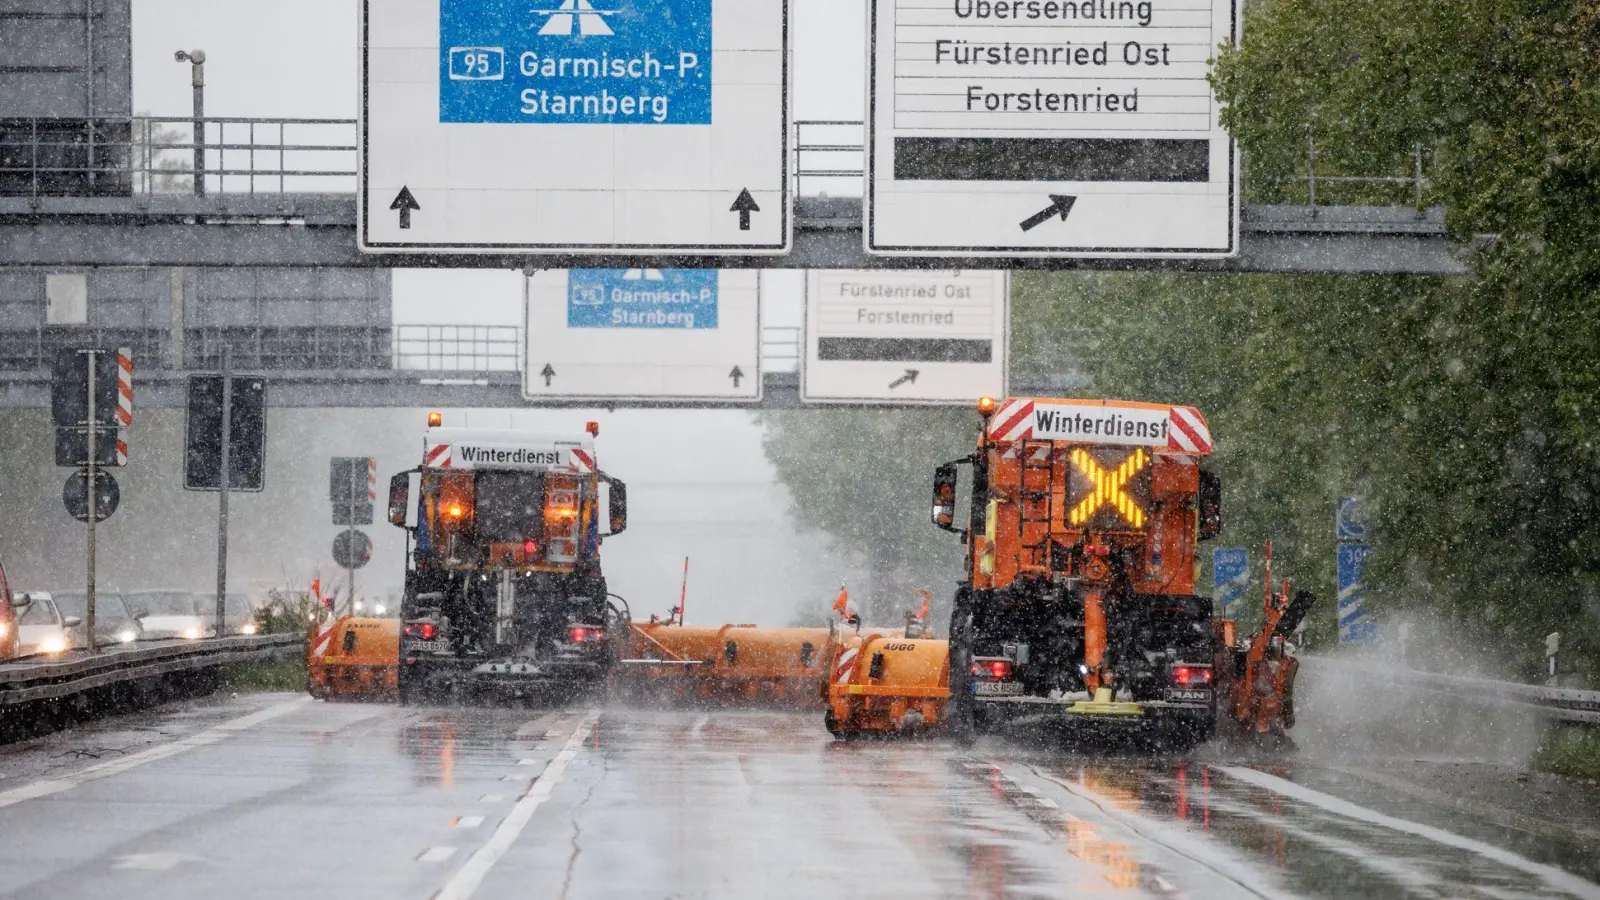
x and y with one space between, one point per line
548 373
744 206
406 203
736 375
910 377
1059 205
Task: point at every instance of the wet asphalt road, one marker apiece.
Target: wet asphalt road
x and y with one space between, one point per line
275 795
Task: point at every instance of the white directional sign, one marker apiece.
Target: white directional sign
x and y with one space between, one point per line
1074 128
905 337
575 126
644 334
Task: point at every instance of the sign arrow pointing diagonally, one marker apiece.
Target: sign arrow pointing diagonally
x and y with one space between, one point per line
406 204
736 375
548 373
1060 204
910 377
744 206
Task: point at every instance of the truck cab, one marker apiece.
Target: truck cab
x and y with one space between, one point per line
504 583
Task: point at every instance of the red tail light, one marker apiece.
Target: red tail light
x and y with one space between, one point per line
528 547
1187 676
583 634
423 630
992 668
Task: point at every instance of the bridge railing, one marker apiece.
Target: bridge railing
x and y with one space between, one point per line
153 155
467 351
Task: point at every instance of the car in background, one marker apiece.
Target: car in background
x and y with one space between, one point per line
168 614
114 623
238 614
8 620
41 628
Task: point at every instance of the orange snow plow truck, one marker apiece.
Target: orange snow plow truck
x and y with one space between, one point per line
1077 604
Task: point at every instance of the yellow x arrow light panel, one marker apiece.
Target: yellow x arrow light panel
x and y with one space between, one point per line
1105 493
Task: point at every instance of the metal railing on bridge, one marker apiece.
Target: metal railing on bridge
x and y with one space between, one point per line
145 156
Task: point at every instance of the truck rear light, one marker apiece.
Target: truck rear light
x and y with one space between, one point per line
1189 676
528 547
585 634
992 668
422 630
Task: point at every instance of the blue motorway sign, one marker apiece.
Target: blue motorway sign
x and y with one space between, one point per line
1230 573
1349 520
642 298
554 62
1355 624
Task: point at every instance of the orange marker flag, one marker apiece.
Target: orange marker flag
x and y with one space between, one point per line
926 599
841 603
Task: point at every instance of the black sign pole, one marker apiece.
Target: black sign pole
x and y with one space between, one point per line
91 358
222 503
350 538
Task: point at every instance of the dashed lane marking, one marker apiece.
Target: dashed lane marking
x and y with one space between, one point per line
134 760
1552 876
466 821
491 798
467 878
436 854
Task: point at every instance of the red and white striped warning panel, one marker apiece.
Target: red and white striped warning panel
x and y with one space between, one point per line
438 457
1179 429
582 462
124 387
1188 432
372 479
843 664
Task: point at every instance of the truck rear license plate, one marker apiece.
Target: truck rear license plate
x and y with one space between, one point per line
425 646
997 688
1176 695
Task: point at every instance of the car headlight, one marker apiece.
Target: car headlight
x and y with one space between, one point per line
127 637
379 610
192 633
5 629
249 628
53 644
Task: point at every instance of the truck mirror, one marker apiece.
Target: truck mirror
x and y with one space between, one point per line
1210 506
944 497
619 506
399 498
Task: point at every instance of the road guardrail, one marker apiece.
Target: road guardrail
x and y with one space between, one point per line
32 679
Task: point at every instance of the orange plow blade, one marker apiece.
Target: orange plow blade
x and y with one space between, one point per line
883 684
354 658
731 664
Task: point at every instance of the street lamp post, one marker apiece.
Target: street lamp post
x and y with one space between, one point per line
197 63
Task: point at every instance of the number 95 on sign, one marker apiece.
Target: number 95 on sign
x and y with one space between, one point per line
477 64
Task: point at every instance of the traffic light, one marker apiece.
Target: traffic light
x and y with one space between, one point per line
247 432
69 388
350 489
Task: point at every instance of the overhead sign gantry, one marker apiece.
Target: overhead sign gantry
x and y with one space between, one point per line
575 126
1066 128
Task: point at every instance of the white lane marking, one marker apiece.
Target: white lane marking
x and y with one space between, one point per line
519 777
466 821
490 798
467 878
1552 876
1043 801
154 862
520 762
134 760
436 854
